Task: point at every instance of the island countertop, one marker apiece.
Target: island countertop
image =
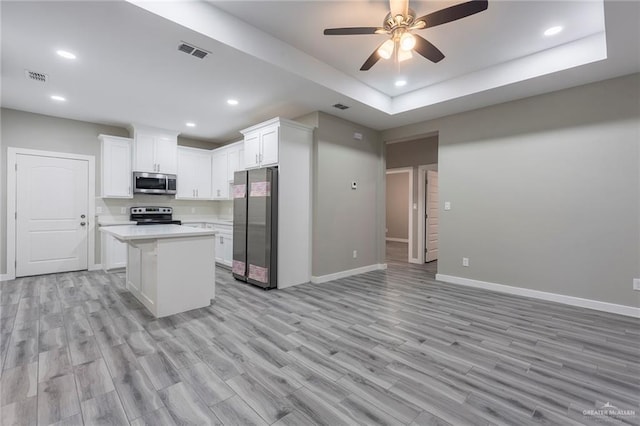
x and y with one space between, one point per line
138 232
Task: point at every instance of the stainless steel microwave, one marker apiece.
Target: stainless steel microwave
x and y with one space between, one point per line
154 183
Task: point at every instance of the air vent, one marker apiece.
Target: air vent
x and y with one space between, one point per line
192 50
340 106
199 53
186 48
36 76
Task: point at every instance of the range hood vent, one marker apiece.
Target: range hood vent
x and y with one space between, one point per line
36 76
192 50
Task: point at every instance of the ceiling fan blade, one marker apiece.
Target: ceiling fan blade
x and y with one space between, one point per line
371 60
351 31
453 13
399 7
427 49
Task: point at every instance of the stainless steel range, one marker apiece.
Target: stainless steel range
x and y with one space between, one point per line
153 216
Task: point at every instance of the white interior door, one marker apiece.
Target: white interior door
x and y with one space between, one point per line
52 203
431 220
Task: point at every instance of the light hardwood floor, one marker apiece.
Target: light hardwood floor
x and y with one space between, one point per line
384 348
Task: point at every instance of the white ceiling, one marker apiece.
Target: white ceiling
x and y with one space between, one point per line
273 58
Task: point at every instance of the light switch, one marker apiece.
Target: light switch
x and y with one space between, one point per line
354 185
415 206
447 205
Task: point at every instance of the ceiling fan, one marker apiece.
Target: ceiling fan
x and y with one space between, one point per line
400 23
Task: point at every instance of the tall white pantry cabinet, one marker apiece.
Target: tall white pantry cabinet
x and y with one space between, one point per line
288 145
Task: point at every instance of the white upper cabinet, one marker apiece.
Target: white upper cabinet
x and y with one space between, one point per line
235 159
194 174
116 167
261 144
155 150
220 181
269 146
252 150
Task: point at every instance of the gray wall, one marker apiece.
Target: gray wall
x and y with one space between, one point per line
545 191
344 219
421 151
397 205
35 131
415 152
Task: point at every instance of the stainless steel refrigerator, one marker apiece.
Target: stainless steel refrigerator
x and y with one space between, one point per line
255 226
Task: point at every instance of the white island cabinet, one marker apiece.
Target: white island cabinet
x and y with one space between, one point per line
169 267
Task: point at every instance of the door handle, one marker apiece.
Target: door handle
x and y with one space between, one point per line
82 223
82 216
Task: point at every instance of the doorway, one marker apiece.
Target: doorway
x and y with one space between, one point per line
399 227
50 212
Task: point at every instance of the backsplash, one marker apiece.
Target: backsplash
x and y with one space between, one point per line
119 208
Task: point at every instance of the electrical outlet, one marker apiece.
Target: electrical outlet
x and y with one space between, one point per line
636 284
447 205
98 210
465 261
123 210
355 254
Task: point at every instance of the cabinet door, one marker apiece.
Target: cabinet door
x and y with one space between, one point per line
118 251
116 168
269 144
202 178
145 153
220 184
251 150
227 254
219 248
165 150
186 186
233 161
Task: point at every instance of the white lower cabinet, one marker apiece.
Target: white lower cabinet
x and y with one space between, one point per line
224 243
114 253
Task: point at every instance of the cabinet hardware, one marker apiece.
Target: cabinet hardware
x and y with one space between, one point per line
82 216
82 223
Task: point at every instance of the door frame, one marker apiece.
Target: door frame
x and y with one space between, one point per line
12 163
408 170
422 177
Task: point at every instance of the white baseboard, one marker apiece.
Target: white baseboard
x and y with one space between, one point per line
398 240
414 260
348 273
6 277
95 267
613 308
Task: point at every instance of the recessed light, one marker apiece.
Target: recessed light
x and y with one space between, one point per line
232 102
400 83
190 124
553 31
65 54
58 98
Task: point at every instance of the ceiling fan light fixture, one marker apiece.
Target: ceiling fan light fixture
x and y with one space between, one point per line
386 50
404 55
407 42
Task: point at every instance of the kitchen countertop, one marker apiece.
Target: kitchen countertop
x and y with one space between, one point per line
113 222
204 219
135 232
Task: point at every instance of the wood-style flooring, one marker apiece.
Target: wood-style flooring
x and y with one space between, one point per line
388 347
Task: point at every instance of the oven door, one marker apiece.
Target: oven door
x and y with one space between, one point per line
149 183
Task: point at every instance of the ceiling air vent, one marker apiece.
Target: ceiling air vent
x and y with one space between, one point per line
340 106
36 76
192 50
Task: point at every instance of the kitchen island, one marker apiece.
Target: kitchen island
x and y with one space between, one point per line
170 268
